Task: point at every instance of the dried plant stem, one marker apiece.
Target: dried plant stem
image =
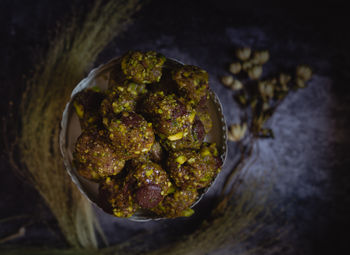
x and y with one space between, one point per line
70 55
237 223
21 232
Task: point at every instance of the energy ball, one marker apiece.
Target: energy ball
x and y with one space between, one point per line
177 204
143 67
192 83
115 196
86 104
189 168
94 157
130 134
143 136
121 98
150 182
172 118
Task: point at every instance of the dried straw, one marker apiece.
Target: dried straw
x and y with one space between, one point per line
69 57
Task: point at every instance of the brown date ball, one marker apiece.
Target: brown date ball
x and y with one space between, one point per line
172 118
150 182
189 168
94 156
86 104
117 99
192 83
130 134
143 67
148 196
177 204
121 98
115 197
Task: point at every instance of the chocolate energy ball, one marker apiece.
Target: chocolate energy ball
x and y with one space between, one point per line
143 67
192 83
121 98
130 134
86 104
177 204
95 157
172 118
189 168
151 183
117 100
115 197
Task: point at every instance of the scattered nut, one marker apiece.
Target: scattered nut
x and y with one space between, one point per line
255 72
284 78
304 72
237 132
243 53
265 106
266 89
300 83
247 65
237 85
261 57
235 67
227 80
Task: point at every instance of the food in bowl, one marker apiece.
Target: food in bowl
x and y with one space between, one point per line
143 139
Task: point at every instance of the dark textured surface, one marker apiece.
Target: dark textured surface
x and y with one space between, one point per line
308 161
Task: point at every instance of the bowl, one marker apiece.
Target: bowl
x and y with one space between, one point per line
70 131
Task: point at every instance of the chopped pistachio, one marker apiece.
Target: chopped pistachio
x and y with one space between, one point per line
205 152
188 212
175 137
181 159
191 160
171 189
79 109
192 115
149 172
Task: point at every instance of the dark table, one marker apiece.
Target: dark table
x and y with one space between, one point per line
309 155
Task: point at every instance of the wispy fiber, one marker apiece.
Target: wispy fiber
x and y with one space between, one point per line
69 57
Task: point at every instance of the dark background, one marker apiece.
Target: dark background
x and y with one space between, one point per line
312 138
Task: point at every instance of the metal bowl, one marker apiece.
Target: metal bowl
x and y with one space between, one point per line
70 131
